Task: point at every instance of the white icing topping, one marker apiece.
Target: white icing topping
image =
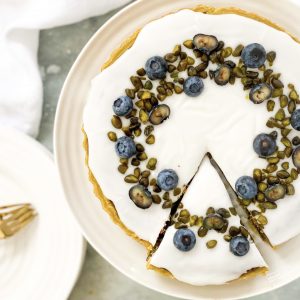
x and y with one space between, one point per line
221 120
203 266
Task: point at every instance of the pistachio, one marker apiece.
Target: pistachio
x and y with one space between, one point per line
199 221
190 60
178 89
124 161
122 168
153 181
141 72
211 244
238 51
271 56
202 231
271 168
294 174
141 156
137 172
150 140
262 220
273 160
151 164
159 114
286 122
144 181
161 90
260 197
244 231
286 142
285 132
234 231
145 174
291 106
177 191
226 52
227 237
130 93
210 211
285 165
182 66
272 179
148 85
282 174
280 115
166 196
262 186
193 220
137 132
148 129
136 82
283 100
131 179
148 105
232 211
277 93
257 175
277 84
188 44
179 225
238 72
223 212
157 189
269 205
116 122
288 151
203 74
294 95
112 136
156 199
135 162
170 57
177 50
252 74
140 104
145 95
213 222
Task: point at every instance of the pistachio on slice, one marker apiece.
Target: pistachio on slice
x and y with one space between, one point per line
222 75
213 222
296 157
140 196
275 192
159 114
205 43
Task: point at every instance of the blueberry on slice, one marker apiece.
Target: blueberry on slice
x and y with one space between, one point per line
125 147
296 157
254 55
193 86
295 119
239 245
184 239
260 92
156 67
246 187
122 106
264 145
167 179
205 43
275 192
140 196
222 75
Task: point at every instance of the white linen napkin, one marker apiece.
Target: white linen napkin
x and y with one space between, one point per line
20 81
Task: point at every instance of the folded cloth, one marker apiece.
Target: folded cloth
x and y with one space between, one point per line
20 81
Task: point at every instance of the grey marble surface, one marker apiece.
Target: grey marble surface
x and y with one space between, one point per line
59 48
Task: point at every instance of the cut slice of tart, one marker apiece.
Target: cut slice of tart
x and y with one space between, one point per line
207 246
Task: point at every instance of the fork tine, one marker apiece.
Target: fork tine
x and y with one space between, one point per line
22 224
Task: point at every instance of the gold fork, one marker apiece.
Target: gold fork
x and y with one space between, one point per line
14 217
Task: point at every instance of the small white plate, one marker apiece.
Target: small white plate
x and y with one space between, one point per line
120 250
43 260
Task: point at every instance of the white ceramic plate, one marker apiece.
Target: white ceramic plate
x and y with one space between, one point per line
43 260
121 251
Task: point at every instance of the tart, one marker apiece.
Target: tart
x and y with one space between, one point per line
182 86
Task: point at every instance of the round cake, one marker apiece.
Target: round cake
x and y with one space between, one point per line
188 91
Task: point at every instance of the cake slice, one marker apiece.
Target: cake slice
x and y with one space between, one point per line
192 253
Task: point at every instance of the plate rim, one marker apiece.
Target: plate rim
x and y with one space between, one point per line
57 122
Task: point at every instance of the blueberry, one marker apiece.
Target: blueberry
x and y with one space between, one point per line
264 145
193 86
205 43
122 106
156 67
254 55
260 92
239 245
184 239
296 157
295 119
167 179
246 187
222 75
125 147
140 196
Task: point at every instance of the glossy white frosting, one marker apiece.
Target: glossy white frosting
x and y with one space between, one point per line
203 266
221 120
